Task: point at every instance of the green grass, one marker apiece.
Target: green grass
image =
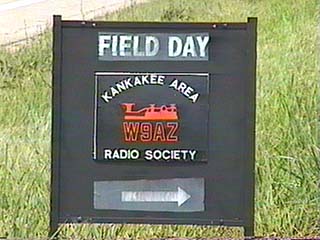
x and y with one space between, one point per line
287 169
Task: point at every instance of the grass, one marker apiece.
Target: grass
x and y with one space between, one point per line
287 168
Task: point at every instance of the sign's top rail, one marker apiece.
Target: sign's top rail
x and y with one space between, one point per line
156 25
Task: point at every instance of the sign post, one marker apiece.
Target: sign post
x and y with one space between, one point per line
155 118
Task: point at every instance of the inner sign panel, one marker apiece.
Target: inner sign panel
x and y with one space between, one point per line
151 116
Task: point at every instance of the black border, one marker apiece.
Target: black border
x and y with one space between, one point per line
154 25
249 179
56 125
156 221
95 119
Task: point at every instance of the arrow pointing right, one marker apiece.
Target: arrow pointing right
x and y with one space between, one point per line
187 195
180 196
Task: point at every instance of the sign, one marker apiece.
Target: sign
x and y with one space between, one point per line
153 123
159 124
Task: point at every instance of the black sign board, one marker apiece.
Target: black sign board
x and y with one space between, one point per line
153 123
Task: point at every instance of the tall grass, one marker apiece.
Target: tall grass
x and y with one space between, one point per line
287 168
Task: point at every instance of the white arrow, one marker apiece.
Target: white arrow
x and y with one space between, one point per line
180 196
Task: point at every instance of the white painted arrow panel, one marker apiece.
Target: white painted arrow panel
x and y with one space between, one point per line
162 195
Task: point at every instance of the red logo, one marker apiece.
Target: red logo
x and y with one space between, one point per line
150 124
151 113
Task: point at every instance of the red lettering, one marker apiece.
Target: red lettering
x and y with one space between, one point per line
159 133
150 132
172 134
131 131
146 132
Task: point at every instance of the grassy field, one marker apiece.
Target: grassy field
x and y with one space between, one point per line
287 169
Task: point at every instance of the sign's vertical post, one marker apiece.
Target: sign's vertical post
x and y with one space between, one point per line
55 136
250 179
